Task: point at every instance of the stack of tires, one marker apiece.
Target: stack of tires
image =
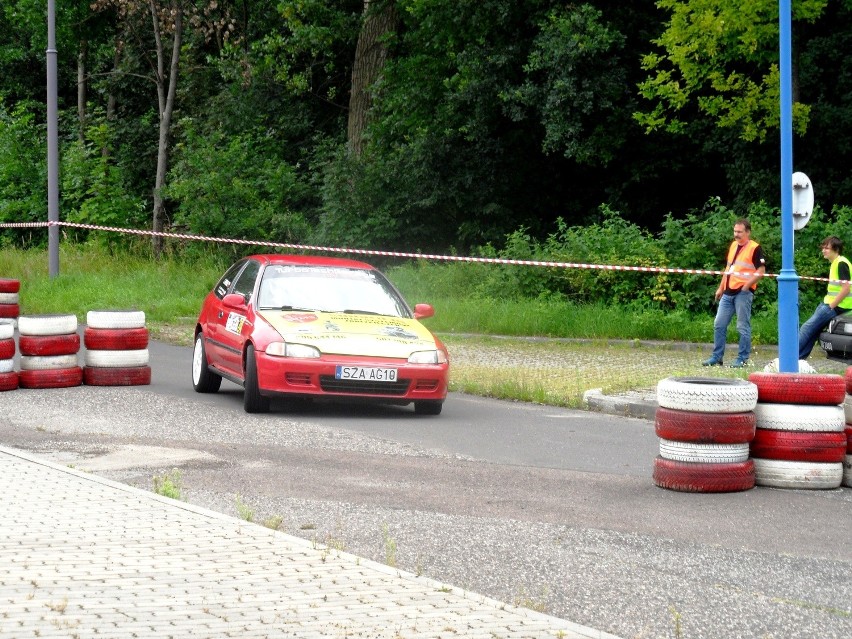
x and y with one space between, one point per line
705 426
9 300
49 345
116 349
8 376
847 410
800 441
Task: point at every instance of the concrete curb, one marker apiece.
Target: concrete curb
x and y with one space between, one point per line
638 404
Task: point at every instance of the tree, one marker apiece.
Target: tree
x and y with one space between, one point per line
168 19
719 58
380 23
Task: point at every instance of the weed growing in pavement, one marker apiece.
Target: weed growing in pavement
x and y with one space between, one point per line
169 485
330 545
676 617
244 510
524 600
390 547
274 522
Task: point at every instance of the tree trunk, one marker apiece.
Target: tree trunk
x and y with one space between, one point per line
166 88
81 90
380 19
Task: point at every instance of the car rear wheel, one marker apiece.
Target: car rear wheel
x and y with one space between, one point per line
253 401
203 381
428 408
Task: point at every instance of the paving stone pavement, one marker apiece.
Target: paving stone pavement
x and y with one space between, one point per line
87 557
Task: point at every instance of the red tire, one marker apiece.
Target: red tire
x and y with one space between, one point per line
705 428
115 339
693 477
9 286
10 310
117 376
51 378
7 348
796 388
8 381
67 344
801 446
849 439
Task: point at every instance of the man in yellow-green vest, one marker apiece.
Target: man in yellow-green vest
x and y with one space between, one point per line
837 299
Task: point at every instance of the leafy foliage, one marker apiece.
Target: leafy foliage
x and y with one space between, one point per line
721 57
236 187
23 172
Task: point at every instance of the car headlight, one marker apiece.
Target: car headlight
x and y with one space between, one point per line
428 357
286 349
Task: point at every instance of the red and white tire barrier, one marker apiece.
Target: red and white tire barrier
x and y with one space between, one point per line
9 299
847 406
49 346
8 376
116 349
705 426
800 440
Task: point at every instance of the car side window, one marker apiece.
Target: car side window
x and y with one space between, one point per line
224 285
244 285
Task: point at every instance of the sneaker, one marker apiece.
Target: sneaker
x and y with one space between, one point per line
712 362
740 363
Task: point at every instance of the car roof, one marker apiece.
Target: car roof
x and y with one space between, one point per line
308 260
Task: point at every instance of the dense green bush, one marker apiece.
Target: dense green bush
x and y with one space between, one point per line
698 241
23 172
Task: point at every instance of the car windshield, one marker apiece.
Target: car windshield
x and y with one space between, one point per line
329 289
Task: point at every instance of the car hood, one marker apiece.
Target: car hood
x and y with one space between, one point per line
352 334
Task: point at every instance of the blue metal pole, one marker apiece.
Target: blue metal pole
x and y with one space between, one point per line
788 281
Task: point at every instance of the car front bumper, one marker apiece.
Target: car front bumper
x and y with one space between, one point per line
316 378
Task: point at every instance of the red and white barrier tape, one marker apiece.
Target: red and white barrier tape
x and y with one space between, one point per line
422 256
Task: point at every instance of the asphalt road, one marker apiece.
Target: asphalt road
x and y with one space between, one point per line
533 505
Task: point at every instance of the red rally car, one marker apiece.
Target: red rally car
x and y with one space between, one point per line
317 327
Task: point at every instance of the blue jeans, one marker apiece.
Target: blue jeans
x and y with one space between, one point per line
810 330
728 305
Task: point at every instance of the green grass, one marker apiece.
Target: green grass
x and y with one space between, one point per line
608 348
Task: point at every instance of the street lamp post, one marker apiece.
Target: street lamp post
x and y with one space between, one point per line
52 145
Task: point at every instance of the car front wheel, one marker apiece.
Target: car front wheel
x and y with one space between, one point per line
428 407
203 381
253 401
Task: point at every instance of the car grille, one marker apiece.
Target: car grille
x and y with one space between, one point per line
426 385
360 387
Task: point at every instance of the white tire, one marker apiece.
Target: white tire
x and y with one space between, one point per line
9 298
804 475
115 319
707 394
703 453
47 362
6 331
824 419
847 471
7 365
47 324
116 359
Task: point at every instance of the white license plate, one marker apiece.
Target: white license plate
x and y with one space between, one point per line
365 373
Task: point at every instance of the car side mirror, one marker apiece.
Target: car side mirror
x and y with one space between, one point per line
422 311
234 300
